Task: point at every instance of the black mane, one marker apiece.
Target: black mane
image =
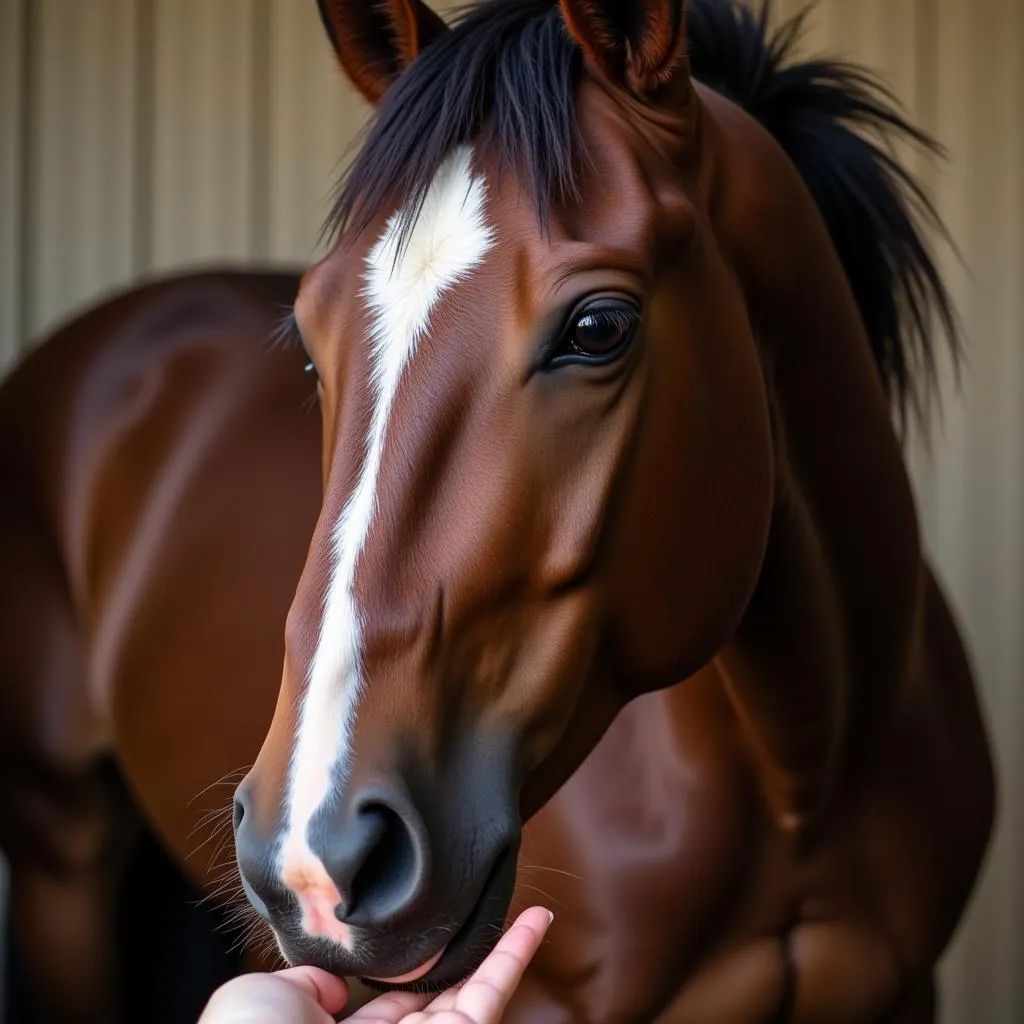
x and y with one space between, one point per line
838 124
509 72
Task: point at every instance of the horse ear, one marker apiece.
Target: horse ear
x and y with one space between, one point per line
638 44
376 40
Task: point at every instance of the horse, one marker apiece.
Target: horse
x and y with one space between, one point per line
598 572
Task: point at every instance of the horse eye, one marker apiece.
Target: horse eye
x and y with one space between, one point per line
598 334
601 333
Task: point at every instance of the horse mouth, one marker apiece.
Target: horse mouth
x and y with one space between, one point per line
470 945
412 976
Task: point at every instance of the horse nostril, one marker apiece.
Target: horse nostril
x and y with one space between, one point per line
237 814
378 861
389 863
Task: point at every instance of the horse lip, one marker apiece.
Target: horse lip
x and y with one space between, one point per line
412 976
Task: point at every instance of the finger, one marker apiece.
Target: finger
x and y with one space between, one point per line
446 1000
484 997
330 992
391 1008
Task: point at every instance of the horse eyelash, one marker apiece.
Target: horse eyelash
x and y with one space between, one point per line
287 334
617 317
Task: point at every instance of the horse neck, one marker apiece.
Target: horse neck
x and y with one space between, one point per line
816 650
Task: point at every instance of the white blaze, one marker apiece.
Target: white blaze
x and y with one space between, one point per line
403 285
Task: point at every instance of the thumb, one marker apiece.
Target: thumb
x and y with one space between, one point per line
330 992
300 995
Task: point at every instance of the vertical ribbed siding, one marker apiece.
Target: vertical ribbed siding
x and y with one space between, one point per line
144 200
259 100
974 490
313 118
154 134
13 100
13 68
202 160
957 67
80 150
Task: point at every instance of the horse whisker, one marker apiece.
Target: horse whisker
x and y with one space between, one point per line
222 781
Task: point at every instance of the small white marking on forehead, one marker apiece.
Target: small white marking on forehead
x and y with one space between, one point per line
449 239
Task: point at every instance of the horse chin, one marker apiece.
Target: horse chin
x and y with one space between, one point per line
470 945
452 966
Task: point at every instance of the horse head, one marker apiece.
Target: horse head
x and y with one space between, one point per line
548 468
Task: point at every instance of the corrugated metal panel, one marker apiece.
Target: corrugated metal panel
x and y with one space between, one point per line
205 162
314 122
12 98
314 117
11 67
78 203
975 492
958 69
159 133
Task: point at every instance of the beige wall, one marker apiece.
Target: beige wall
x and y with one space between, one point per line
140 135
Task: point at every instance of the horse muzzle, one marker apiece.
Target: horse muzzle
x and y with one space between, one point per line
400 891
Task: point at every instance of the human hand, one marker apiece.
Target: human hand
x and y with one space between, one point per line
305 995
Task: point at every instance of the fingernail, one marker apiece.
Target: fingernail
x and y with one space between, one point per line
551 917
